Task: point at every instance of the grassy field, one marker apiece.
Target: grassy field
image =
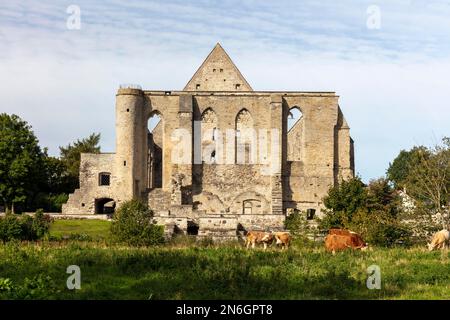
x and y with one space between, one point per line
189 270
91 229
38 271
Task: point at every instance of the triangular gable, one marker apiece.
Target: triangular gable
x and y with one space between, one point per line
218 73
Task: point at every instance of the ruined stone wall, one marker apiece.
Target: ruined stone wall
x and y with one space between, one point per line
308 180
224 188
82 201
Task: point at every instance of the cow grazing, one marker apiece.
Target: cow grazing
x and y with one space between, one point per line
440 240
283 239
339 239
256 237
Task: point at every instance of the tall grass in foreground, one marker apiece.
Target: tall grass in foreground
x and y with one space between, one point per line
30 271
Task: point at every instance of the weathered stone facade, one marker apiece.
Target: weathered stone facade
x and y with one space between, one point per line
222 157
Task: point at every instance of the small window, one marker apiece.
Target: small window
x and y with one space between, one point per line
197 86
128 110
214 135
213 156
214 70
310 214
124 163
238 86
104 179
221 70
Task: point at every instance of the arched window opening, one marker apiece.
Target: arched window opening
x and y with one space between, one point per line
245 141
154 120
209 134
155 138
293 117
295 134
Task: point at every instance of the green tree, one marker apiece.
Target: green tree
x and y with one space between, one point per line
343 201
428 183
399 170
71 155
20 161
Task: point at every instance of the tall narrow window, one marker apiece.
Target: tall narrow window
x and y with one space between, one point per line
245 138
295 127
155 144
209 134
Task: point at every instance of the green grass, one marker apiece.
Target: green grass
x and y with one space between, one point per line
95 229
219 272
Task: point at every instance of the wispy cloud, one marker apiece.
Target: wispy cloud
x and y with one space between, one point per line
393 81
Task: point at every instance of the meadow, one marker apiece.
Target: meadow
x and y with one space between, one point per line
227 271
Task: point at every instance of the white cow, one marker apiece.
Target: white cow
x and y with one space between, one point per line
440 240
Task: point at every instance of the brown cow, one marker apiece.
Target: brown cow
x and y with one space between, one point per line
440 239
254 237
339 239
283 239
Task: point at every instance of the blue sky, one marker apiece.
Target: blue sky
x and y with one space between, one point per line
393 82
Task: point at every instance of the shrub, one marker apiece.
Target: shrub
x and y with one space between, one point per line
41 224
379 228
18 227
132 224
10 228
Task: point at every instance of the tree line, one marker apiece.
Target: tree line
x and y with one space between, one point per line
30 178
409 203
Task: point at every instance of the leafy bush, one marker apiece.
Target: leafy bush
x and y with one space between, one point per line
24 227
132 224
41 224
10 228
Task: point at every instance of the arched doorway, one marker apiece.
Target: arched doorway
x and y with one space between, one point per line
105 206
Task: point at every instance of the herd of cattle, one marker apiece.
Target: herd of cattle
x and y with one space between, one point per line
336 240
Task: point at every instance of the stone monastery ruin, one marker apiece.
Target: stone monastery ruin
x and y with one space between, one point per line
222 157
